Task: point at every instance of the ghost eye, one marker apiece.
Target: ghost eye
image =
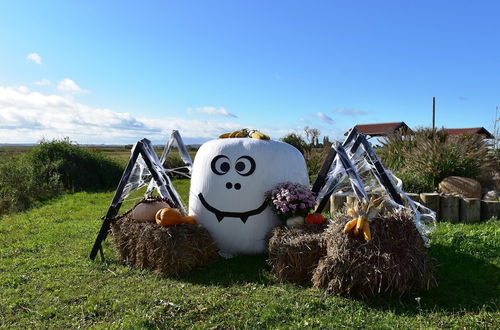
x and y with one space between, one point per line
220 165
245 165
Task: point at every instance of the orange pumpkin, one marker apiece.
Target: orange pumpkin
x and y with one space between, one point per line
168 217
315 218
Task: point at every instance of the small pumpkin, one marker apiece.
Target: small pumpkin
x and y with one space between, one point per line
168 217
189 220
315 218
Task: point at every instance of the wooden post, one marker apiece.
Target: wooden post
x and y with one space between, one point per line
337 202
470 210
490 209
450 208
431 201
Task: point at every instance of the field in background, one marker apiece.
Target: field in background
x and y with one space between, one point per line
121 154
47 281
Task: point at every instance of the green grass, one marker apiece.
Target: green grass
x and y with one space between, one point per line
47 281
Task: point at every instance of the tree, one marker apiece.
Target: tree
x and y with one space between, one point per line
326 141
312 135
297 141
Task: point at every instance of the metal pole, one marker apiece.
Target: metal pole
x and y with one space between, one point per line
433 113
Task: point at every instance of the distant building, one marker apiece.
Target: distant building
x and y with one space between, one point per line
473 130
383 129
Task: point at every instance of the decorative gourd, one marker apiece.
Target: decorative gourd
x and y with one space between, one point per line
228 183
168 217
172 217
189 219
146 211
315 218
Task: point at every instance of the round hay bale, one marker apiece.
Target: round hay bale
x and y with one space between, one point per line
168 250
394 262
294 252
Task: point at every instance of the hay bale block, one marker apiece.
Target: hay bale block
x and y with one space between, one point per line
294 252
449 209
394 262
490 209
168 250
470 210
456 185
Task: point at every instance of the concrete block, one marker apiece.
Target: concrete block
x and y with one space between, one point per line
431 201
490 209
470 210
449 209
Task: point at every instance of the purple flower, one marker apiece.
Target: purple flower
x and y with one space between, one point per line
288 199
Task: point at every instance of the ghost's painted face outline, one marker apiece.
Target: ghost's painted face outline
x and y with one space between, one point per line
244 166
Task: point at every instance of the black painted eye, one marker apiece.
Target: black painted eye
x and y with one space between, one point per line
245 165
220 165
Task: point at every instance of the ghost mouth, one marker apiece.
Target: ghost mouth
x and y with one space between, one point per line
222 214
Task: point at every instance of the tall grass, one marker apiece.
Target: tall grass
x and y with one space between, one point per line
428 156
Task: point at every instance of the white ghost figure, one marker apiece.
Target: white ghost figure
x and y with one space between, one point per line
228 182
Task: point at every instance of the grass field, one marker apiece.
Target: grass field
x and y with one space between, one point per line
47 281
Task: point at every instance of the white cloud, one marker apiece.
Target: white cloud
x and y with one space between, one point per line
35 58
43 82
325 118
26 117
213 111
350 112
68 85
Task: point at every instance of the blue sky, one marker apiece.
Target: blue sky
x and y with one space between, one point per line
117 71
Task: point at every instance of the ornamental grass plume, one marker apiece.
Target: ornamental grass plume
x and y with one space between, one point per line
290 199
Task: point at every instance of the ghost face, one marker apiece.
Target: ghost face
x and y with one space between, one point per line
228 182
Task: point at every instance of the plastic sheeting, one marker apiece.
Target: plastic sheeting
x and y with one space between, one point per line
338 180
141 176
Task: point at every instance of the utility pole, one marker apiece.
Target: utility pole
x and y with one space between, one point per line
496 132
434 113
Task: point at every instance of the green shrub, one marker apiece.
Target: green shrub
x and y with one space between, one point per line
314 160
20 187
174 161
413 183
51 168
78 168
297 141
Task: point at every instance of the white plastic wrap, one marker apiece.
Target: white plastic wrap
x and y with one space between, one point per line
141 176
337 181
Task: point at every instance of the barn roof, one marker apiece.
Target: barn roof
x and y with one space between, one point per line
471 130
382 129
